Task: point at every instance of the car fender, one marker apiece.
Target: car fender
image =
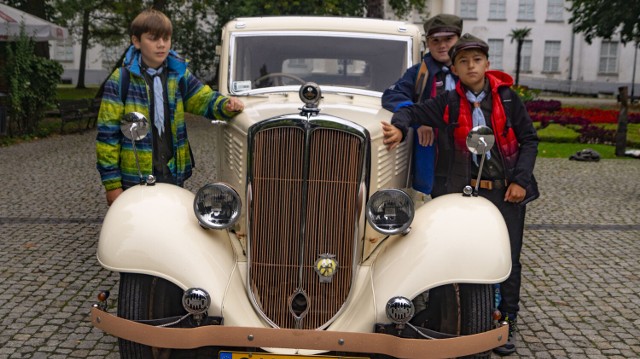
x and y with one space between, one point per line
453 239
153 230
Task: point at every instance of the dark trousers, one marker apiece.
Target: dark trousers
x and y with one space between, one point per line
513 215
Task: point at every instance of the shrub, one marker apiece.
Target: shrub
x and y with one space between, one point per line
32 85
543 106
526 94
558 133
596 134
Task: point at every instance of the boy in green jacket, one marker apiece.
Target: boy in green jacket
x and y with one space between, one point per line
161 87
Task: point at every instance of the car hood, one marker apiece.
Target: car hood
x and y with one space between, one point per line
362 110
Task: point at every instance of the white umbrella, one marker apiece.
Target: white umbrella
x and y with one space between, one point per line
11 20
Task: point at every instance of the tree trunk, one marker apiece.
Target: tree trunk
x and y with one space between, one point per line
518 60
375 9
621 133
84 44
36 8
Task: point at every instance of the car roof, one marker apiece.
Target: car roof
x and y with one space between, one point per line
323 23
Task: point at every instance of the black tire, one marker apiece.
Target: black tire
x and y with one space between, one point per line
146 297
460 309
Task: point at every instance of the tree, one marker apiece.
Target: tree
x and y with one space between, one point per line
519 35
606 18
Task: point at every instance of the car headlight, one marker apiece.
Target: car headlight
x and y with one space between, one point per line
217 206
390 211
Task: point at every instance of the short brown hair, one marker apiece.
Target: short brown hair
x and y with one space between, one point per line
152 21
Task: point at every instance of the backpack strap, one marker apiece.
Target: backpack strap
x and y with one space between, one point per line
421 82
507 105
453 101
124 83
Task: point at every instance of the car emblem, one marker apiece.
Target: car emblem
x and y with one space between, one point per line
326 267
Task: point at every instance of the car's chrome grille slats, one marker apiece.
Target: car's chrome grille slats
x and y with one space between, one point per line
277 204
287 239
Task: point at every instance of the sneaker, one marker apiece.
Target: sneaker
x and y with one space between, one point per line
510 346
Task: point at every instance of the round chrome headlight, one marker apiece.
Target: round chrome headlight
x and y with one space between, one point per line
390 211
217 206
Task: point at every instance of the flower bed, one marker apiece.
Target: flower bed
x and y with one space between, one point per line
587 122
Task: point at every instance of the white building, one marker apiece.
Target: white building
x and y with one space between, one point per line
553 58
99 61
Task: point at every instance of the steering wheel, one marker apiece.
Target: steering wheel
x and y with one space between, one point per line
279 76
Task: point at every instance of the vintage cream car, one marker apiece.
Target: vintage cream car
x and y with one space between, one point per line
307 247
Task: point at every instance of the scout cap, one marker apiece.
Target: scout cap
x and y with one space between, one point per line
443 25
466 42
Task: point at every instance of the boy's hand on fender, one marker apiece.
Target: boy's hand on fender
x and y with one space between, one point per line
112 195
515 193
392 135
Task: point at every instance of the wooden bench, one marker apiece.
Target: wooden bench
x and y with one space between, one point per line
77 111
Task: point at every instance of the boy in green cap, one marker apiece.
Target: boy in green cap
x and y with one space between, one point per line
483 97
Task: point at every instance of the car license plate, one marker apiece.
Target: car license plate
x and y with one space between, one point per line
242 355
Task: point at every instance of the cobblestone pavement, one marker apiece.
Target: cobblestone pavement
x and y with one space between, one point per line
581 273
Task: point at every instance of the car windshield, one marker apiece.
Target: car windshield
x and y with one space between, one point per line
344 60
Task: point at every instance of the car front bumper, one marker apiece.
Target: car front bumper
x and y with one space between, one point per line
324 340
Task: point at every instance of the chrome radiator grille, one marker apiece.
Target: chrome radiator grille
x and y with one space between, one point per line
303 204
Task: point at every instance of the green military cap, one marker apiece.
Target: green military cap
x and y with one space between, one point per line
443 25
466 42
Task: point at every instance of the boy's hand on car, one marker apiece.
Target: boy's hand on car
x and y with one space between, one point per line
392 135
234 105
515 193
425 136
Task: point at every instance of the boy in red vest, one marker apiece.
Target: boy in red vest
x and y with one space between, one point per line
483 97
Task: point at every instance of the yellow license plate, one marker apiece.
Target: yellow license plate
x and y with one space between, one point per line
241 355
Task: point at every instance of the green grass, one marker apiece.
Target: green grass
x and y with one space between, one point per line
69 92
565 150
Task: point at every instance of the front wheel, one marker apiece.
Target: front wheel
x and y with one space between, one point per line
146 297
459 309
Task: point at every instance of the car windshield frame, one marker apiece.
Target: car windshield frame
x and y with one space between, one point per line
389 59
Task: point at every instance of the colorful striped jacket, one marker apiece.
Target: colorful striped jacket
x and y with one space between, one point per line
115 159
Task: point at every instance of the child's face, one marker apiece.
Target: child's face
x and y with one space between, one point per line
439 47
470 66
154 50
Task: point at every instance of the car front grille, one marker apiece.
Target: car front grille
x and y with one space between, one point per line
304 184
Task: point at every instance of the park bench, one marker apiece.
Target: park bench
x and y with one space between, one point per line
77 111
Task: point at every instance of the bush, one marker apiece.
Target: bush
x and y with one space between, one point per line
536 106
32 85
558 133
526 94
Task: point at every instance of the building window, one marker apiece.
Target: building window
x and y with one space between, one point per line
525 56
497 10
526 10
495 53
469 9
608 57
551 61
555 10
64 50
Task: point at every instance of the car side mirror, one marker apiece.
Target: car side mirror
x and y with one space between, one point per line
134 126
480 140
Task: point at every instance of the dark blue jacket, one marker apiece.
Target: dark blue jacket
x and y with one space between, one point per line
400 95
